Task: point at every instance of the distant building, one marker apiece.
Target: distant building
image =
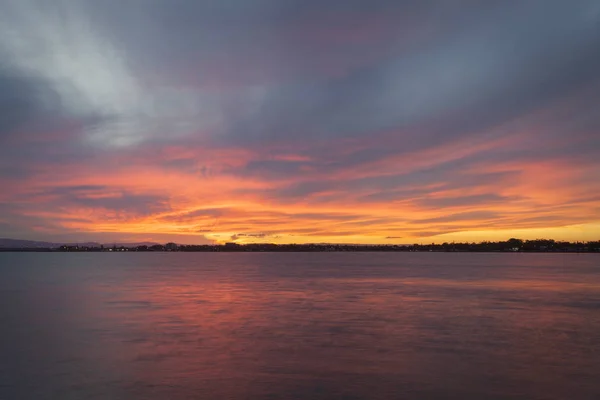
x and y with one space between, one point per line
170 246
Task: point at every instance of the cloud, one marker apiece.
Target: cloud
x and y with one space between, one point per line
462 201
465 216
196 214
248 235
93 200
92 79
20 101
308 120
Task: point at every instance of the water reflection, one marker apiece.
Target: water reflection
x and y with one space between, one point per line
301 326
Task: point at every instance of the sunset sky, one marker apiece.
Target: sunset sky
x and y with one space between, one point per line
349 121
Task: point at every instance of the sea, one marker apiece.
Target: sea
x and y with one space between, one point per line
352 326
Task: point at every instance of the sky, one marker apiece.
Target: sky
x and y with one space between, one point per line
295 121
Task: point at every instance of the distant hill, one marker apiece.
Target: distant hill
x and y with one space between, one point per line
25 244
32 244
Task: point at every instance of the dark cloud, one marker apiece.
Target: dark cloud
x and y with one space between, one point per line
34 131
472 79
120 201
269 169
466 216
192 215
266 217
416 183
16 105
462 201
126 204
23 102
75 190
19 220
249 235
487 64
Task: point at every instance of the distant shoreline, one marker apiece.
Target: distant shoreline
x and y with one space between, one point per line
310 251
509 246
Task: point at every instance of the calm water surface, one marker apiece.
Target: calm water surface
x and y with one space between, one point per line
299 326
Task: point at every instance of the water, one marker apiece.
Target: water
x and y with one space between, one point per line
299 326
